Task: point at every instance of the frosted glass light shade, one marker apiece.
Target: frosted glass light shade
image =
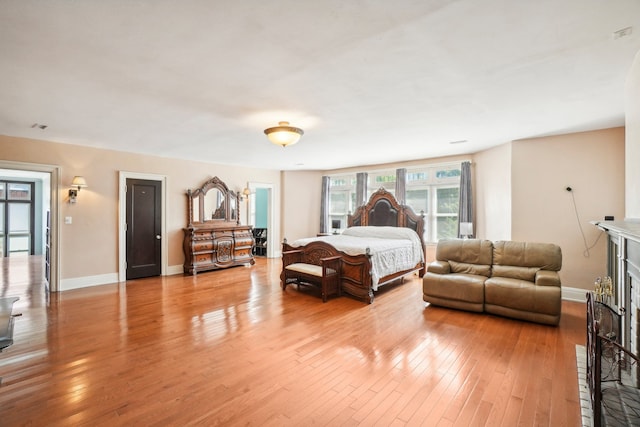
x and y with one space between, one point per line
283 134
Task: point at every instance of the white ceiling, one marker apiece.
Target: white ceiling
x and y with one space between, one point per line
370 81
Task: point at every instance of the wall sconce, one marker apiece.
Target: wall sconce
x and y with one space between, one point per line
78 183
245 193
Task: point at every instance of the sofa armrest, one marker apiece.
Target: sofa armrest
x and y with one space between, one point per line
547 278
439 267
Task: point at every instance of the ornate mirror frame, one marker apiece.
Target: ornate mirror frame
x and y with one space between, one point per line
213 204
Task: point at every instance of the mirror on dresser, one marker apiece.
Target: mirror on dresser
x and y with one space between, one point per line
213 203
214 238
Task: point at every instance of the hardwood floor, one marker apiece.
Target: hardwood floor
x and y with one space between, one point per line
230 348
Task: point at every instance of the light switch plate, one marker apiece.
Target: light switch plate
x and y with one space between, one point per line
68 220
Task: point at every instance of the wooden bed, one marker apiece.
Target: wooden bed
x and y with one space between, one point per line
382 209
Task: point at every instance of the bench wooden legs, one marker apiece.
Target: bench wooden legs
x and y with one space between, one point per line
326 277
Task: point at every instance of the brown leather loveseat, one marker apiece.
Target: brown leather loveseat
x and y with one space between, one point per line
513 279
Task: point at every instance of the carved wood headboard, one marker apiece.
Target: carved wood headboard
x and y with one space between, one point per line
383 209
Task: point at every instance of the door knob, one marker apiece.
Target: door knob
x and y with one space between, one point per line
158 237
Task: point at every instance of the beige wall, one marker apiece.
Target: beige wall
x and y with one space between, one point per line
632 149
301 206
492 189
89 246
592 164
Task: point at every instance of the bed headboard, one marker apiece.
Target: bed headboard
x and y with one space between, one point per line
383 209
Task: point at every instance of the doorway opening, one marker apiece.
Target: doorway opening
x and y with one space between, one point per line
261 216
29 243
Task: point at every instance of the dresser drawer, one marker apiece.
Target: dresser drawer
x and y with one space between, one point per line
203 258
203 246
242 253
226 234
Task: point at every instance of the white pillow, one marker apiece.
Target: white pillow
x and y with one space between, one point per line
382 232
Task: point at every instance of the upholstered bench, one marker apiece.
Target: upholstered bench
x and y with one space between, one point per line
301 270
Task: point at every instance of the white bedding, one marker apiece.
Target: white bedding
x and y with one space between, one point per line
392 249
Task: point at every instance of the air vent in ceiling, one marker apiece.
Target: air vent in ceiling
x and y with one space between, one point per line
624 32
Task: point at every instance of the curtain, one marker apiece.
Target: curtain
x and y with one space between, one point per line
465 207
324 205
401 185
361 189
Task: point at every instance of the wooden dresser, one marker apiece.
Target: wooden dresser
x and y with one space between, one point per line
213 247
214 238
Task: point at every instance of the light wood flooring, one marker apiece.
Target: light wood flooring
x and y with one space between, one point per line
230 348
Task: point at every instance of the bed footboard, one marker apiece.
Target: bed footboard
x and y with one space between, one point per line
355 271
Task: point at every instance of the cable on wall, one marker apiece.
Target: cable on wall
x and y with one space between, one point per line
587 249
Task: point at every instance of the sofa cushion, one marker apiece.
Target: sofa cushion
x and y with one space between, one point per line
545 256
473 251
522 295
454 287
522 273
463 267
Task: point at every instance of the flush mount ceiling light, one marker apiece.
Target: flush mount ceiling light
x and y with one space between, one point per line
283 134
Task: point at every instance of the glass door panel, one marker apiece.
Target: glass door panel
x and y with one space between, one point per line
16 218
19 245
19 229
19 191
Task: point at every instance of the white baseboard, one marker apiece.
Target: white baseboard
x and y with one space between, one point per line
87 281
104 279
569 294
574 294
175 269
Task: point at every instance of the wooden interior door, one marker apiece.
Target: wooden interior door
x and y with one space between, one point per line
144 228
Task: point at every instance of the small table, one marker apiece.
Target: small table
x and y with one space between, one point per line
6 321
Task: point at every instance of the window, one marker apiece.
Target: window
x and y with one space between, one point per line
385 179
446 215
342 199
433 190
